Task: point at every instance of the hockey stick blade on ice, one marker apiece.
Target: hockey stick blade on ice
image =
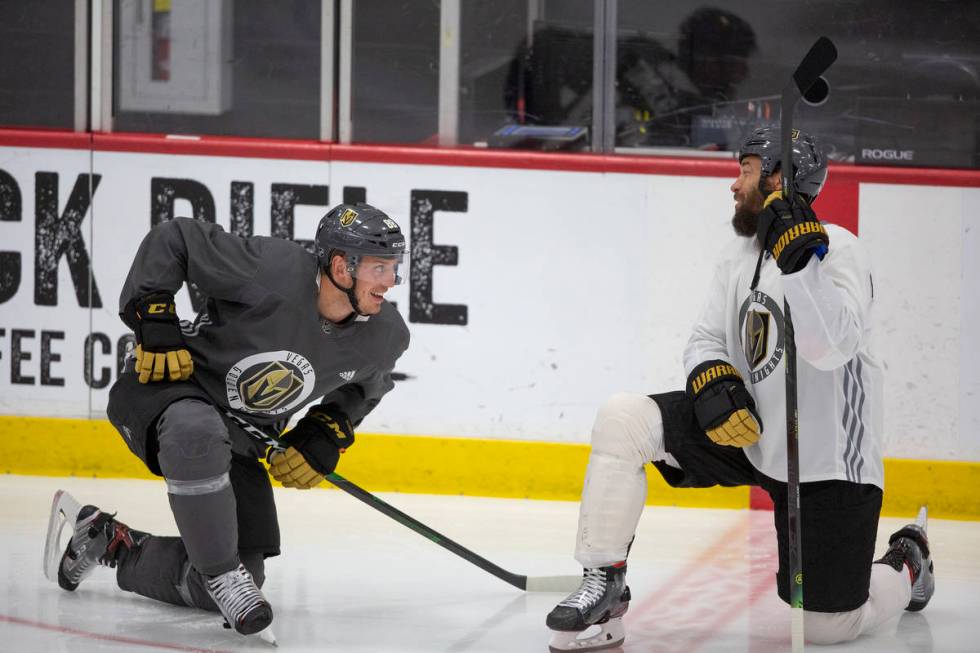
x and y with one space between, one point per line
526 583
807 84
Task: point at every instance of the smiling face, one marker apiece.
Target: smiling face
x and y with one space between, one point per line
375 276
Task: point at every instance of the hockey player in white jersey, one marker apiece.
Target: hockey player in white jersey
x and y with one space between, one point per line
729 426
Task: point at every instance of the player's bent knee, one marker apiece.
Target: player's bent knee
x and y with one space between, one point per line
193 440
628 427
831 627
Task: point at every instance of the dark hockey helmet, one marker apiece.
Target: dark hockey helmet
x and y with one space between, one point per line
809 161
359 230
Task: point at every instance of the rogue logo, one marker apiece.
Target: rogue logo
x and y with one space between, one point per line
887 155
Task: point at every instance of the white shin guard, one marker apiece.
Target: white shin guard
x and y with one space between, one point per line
628 432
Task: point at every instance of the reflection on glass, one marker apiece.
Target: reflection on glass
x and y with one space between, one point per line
395 73
667 98
904 91
222 67
37 64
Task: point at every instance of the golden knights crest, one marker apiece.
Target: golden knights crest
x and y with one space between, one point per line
756 338
348 217
270 382
761 332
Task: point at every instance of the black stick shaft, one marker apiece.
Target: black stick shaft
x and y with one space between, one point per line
518 581
791 95
793 467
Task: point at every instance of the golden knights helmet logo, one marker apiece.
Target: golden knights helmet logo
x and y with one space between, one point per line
270 382
348 217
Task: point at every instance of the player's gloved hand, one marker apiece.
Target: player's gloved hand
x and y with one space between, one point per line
791 234
318 439
722 405
160 348
291 469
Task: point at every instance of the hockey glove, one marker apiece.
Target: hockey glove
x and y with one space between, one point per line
791 234
722 405
290 468
160 348
314 446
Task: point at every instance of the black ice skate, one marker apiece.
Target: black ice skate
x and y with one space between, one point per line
591 618
240 601
909 547
97 539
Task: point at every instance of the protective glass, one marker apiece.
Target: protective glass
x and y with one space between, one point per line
378 270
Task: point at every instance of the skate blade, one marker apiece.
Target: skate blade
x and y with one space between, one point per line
64 512
594 638
268 636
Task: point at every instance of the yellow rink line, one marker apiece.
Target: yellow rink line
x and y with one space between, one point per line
47 446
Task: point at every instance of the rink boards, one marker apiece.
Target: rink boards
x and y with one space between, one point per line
551 281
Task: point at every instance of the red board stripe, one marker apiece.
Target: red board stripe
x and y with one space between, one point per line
457 157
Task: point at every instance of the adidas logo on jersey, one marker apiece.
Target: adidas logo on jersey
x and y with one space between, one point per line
348 375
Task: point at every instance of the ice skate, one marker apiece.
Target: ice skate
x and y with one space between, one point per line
591 618
97 539
909 547
240 601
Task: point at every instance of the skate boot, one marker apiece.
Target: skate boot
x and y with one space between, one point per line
240 601
591 618
98 539
909 547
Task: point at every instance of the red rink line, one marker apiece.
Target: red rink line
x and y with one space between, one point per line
697 602
106 638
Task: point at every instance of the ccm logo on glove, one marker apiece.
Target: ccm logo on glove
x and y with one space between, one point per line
161 352
314 446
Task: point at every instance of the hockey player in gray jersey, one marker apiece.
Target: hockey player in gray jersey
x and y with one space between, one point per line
729 426
282 326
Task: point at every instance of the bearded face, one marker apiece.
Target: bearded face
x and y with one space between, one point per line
748 197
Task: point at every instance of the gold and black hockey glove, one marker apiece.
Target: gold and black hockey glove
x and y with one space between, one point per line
161 352
722 405
313 448
791 234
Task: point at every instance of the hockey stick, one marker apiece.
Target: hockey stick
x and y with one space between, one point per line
807 84
526 583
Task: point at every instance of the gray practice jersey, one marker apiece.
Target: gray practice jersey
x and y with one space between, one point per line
260 347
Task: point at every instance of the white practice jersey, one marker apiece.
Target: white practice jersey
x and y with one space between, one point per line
839 378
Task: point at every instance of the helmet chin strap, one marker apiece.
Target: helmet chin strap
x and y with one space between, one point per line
350 292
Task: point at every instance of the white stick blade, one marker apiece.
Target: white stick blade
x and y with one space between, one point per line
566 584
922 519
797 632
